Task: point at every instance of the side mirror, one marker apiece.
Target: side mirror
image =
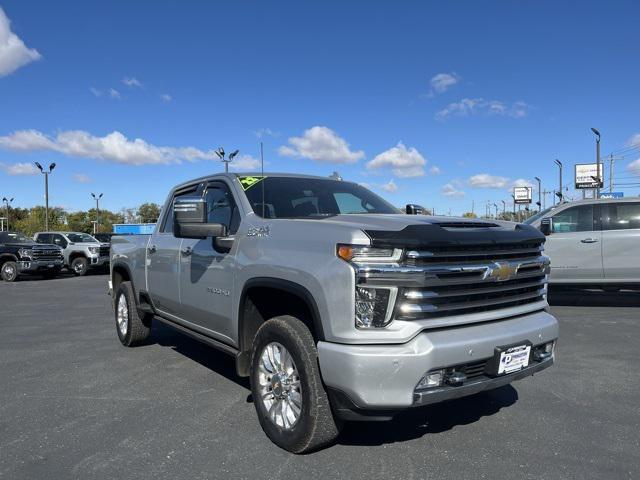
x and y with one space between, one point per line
546 226
190 219
413 209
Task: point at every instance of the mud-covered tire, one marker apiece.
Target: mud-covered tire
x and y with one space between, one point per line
79 266
132 330
315 426
9 271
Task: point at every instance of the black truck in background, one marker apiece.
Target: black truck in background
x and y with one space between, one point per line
19 255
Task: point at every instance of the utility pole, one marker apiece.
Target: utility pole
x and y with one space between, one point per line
611 173
95 225
504 209
559 193
598 176
46 191
496 207
7 201
539 193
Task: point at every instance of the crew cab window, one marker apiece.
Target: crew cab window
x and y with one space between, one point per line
574 219
59 240
43 238
622 216
221 208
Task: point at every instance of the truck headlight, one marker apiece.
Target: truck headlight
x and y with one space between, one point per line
94 250
373 306
25 253
363 254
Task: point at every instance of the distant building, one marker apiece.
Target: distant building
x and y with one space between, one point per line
134 228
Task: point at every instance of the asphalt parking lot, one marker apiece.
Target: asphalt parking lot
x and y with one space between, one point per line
74 403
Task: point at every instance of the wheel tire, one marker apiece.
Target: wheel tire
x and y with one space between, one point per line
315 427
79 266
132 330
9 271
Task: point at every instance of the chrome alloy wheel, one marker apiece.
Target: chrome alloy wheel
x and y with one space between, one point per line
280 387
122 315
9 271
77 267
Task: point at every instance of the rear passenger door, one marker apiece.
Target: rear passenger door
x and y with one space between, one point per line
575 245
620 241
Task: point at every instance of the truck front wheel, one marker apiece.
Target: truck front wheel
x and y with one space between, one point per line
291 402
9 271
79 266
132 330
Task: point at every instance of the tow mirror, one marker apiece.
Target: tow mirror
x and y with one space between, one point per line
546 226
413 209
190 219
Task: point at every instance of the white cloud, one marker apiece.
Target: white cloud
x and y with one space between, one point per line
479 106
521 182
441 82
245 163
114 147
404 162
635 166
634 141
96 92
82 178
484 180
25 168
131 82
165 97
322 145
390 186
13 52
450 190
435 170
265 132
113 93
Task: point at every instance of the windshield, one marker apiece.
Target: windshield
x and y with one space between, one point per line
298 197
14 237
538 215
81 238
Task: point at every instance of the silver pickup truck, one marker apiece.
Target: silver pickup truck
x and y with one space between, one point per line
334 303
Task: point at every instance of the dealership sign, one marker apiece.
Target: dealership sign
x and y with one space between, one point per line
522 195
586 174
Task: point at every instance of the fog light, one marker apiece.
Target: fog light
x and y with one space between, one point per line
431 379
543 352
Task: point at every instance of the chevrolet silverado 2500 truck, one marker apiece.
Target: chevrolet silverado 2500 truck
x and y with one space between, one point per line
335 304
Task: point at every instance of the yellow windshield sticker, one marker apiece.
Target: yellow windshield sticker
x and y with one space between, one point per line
248 182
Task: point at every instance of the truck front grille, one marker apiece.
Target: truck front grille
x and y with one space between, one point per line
442 282
104 251
44 254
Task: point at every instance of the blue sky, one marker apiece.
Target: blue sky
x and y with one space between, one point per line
439 103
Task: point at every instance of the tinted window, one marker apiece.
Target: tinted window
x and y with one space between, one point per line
79 238
574 219
221 208
296 197
43 238
622 216
59 240
14 237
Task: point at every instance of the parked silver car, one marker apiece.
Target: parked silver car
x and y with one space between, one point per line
81 251
593 241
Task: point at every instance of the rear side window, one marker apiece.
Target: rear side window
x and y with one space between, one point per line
622 216
43 238
574 219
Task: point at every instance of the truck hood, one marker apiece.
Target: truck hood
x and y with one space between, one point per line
31 245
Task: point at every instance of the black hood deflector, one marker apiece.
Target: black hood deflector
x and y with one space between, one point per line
434 235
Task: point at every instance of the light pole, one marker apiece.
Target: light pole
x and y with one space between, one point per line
496 207
597 133
539 193
7 201
220 153
559 192
97 197
46 191
504 209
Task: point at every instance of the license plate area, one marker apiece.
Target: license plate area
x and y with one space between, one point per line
509 359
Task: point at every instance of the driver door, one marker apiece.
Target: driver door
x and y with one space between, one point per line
207 269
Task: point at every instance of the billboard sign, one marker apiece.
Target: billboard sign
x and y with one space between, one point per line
522 195
586 174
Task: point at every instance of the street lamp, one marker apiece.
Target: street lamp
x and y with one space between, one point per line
597 133
539 193
504 210
97 198
559 192
7 201
496 207
46 191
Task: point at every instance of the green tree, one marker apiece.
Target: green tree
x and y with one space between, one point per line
469 215
148 212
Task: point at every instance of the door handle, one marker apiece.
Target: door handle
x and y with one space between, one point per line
152 249
589 240
187 251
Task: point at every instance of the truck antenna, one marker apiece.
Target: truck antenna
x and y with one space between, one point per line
262 174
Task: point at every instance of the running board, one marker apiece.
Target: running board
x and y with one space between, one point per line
198 336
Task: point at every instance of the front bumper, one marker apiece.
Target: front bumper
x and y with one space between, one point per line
98 261
31 266
384 377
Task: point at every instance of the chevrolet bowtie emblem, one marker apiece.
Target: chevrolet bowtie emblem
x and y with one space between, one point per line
502 271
